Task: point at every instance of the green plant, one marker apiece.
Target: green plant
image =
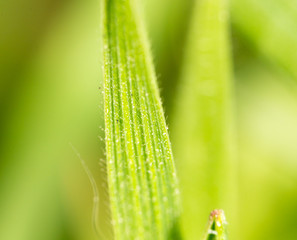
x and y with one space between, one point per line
216 228
50 88
203 125
141 172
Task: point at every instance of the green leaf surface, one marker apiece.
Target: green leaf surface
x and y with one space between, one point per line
141 172
203 128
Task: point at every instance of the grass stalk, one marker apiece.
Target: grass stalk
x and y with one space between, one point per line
141 172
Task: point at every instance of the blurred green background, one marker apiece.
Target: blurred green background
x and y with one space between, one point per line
50 96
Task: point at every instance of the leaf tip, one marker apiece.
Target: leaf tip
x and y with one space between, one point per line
218 215
216 229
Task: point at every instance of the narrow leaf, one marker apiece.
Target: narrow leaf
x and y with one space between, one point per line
203 127
216 229
141 172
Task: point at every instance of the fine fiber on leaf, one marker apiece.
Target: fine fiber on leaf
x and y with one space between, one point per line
141 173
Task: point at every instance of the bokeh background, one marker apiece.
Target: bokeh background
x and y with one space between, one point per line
50 97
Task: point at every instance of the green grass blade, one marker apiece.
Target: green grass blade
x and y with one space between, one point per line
216 229
141 171
203 127
167 22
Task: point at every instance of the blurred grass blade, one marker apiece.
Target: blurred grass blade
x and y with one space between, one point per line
216 229
203 127
141 171
270 27
167 22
